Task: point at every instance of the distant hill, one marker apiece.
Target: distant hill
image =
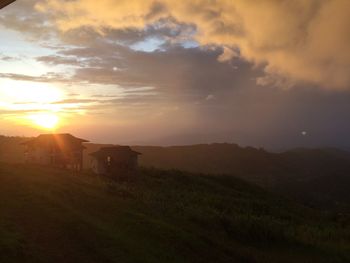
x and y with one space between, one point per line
50 215
303 174
203 158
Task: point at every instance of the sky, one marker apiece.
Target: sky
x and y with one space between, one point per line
265 73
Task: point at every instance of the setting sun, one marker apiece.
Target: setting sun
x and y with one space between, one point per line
45 120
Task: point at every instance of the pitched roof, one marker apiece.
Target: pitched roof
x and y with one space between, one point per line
63 138
104 152
4 3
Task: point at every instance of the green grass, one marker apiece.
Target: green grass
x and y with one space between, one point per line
49 215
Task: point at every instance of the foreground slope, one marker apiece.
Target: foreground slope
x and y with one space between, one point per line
48 215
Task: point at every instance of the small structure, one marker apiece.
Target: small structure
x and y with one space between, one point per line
58 150
114 160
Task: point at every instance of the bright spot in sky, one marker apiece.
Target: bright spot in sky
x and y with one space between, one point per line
29 92
31 103
304 133
45 120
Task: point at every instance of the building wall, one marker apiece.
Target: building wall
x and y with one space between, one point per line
39 156
97 166
101 166
47 156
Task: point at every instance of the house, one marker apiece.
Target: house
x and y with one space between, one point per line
58 150
114 160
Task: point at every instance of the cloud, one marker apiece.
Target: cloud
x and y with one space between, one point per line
59 60
21 16
215 50
8 58
75 101
298 41
177 71
16 112
210 97
49 77
227 55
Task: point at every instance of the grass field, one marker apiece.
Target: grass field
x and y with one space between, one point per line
48 215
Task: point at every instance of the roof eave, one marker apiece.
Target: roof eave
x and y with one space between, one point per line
4 3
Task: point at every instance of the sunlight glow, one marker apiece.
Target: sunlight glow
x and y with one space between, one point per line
24 92
47 121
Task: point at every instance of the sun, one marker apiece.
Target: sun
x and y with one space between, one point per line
48 121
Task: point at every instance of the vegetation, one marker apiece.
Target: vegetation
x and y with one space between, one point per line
317 178
50 215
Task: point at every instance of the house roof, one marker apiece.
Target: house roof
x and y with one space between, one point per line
104 152
60 139
4 3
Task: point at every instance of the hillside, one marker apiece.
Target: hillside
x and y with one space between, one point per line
302 174
316 177
10 149
50 215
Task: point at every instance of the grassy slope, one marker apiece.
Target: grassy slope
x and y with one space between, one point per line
316 177
53 216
